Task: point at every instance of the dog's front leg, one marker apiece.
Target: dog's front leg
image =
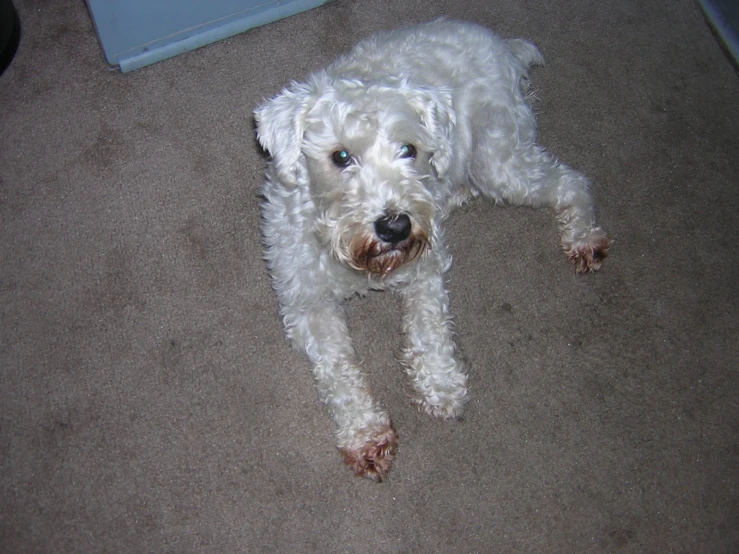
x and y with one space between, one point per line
365 434
437 377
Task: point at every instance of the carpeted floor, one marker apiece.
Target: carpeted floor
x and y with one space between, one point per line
148 400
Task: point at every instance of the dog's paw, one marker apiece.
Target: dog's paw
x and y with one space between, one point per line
373 458
446 397
439 385
442 406
588 254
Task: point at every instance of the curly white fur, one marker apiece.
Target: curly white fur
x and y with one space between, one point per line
367 159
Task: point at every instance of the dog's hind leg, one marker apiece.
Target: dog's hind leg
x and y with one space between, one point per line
508 167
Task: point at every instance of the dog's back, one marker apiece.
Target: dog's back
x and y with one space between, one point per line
437 53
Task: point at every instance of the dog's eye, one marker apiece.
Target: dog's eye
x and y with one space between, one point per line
408 151
341 158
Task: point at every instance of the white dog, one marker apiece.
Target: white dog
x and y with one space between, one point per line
368 158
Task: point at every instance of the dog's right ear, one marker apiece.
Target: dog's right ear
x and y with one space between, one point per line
280 128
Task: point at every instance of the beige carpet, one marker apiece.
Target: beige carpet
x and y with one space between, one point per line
148 400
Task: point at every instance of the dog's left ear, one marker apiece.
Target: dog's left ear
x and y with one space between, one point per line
438 116
280 128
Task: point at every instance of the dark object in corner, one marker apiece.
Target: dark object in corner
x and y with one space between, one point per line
10 33
723 18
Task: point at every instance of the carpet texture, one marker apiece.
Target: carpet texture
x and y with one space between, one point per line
150 404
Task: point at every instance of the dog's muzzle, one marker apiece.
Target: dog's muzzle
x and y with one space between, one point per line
396 241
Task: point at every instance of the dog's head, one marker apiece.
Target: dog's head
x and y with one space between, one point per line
372 157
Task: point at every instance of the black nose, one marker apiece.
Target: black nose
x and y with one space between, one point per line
393 228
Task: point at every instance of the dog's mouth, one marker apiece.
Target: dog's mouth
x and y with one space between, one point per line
375 256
